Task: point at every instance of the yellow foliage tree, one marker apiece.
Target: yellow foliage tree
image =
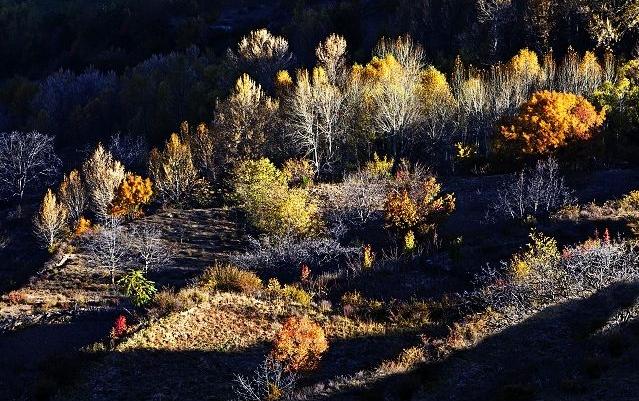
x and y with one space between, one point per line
133 193
50 224
73 195
549 121
272 206
243 119
172 169
300 344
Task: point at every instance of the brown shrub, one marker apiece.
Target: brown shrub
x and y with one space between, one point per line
231 279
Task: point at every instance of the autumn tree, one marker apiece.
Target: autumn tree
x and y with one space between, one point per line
390 93
273 207
27 161
620 99
73 195
549 121
204 148
261 53
102 175
172 170
437 106
50 224
331 56
243 119
316 118
132 194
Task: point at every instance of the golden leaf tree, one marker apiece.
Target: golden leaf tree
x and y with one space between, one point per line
73 195
50 224
133 193
549 121
172 170
242 120
103 175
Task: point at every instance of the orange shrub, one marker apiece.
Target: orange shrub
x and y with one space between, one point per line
299 344
549 121
133 192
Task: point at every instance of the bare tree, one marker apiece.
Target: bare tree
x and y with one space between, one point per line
496 13
103 175
50 224
27 161
131 150
316 112
109 246
149 246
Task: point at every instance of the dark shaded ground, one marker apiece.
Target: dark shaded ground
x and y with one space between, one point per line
557 354
199 237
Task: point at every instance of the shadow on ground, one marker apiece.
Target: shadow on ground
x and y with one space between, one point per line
557 354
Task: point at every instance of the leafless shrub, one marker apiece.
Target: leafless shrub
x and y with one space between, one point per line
536 191
269 382
582 269
357 200
131 150
288 254
151 249
109 246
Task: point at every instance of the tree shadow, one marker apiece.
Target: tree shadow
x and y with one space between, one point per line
556 354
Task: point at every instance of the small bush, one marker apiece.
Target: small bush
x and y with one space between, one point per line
629 204
231 279
119 328
380 167
533 192
291 293
137 287
298 172
299 345
417 205
269 382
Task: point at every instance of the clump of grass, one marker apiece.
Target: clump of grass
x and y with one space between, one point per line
229 278
288 292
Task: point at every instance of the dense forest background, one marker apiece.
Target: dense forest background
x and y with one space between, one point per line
83 71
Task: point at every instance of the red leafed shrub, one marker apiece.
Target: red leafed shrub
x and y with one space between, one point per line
119 327
299 344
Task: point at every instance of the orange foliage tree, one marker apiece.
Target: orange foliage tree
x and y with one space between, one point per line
132 194
299 344
549 121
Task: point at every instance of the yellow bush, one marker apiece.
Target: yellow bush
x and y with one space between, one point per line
541 253
291 293
300 344
629 204
232 279
380 167
368 257
271 205
419 209
83 226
